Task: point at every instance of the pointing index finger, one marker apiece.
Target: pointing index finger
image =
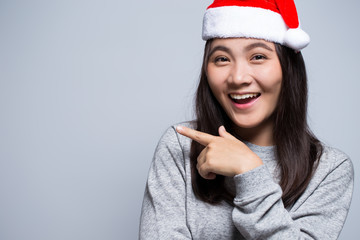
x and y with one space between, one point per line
200 137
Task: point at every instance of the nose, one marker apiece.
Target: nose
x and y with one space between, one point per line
240 74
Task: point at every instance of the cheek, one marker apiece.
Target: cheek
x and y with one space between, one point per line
274 94
276 83
273 91
215 89
216 82
272 80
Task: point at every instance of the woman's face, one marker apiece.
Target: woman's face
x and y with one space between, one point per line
245 76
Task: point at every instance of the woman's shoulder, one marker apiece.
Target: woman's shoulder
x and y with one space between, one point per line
333 155
172 139
333 158
171 132
189 124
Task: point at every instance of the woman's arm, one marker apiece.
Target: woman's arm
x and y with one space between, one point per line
259 213
163 214
318 214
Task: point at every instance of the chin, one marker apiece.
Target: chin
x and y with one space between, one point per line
251 123
245 124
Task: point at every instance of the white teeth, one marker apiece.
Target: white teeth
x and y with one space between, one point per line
243 96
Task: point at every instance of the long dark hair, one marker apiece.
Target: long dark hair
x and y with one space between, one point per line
297 149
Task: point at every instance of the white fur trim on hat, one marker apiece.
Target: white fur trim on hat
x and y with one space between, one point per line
251 22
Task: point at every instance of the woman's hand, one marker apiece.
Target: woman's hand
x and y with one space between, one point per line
224 154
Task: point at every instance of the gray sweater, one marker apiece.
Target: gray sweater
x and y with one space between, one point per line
171 211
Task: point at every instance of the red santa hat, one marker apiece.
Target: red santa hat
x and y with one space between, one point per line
271 20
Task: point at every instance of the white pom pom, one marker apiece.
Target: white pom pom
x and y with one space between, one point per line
296 39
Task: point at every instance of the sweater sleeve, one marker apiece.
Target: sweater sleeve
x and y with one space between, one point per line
163 214
320 213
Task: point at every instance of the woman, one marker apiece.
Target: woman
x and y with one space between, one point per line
248 167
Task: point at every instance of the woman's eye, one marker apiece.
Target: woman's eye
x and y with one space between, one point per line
221 59
258 57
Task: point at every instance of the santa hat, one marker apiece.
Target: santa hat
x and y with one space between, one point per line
271 20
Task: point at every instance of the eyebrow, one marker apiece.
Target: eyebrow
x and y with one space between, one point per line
219 48
258 44
247 48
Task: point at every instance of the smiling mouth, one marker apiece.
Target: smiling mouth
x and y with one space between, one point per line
244 98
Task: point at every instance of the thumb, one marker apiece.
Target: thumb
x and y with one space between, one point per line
223 133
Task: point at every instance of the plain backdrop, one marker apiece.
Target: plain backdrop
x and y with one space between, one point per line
88 87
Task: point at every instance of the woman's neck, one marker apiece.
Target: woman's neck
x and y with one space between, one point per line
261 135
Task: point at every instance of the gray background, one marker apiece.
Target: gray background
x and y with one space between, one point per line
88 87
